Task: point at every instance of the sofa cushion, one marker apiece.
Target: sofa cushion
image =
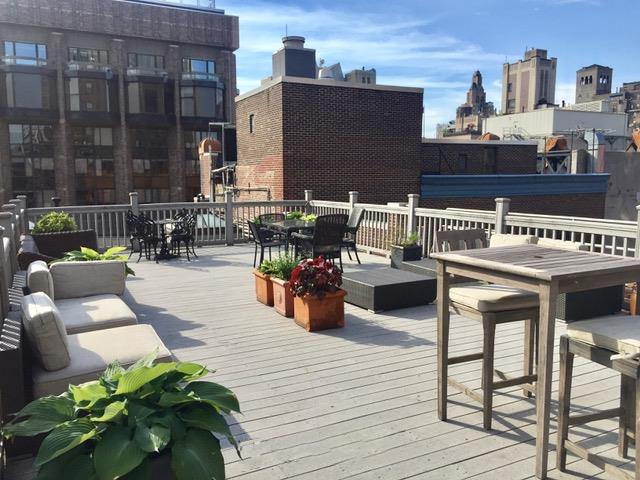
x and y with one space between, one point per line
563 245
504 239
92 352
46 331
618 333
83 279
493 298
39 279
94 313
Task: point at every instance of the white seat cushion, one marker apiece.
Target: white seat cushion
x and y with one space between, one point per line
46 331
39 279
504 239
92 352
493 298
618 333
94 313
563 245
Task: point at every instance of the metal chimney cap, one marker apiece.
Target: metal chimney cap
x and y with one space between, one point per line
293 41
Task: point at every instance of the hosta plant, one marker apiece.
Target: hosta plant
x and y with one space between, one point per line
113 428
86 254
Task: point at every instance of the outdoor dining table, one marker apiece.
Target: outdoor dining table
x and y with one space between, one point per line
164 231
548 272
289 226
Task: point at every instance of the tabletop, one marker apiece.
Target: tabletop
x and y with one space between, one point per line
290 224
538 262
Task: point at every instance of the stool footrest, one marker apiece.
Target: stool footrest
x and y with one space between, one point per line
512 381
593 417
466 390
596 460
471 357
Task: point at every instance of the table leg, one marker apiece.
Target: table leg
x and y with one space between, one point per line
547 325
443 337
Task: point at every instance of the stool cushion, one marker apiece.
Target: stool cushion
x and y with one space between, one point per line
503 239
94 313
618 333
493 298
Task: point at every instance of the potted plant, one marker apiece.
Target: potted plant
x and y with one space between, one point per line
56 233
151 421
406 249
295 215
281 270
264 287
318 299
86 254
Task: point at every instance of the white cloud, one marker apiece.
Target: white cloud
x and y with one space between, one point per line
565 91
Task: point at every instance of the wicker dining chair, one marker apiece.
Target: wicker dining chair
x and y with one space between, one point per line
263 239
326 240
353 225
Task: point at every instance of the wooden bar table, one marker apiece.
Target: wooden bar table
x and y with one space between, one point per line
546 271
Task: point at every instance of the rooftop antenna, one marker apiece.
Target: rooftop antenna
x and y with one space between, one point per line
286 30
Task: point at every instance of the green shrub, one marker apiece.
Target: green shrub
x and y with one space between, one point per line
408 241
55 222
266 267
295 215
282 266
86 254
310 217
114 426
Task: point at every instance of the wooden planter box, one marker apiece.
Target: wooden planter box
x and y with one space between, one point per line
282 297
264 288
313 313
405 254
56 244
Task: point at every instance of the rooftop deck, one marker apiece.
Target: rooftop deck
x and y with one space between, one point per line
358 402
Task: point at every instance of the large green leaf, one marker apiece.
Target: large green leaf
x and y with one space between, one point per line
197 456
153 438
132 380
29 427
145 361
44 414
73 465
216 395
111 412
138 411
64 438
113 372
116 454
90 253
141 472
207 417
112 252
87 394
169 419
170 399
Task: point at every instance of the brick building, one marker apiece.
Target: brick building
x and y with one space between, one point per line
113 97
297 133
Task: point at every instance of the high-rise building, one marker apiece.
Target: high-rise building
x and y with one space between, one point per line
470 114
113 97
593 83
529 83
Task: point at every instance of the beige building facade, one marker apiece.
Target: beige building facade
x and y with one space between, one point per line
529 83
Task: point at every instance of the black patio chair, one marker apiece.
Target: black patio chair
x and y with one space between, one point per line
264 239
326 240
184 232
142 234
353 225
150 238
270 217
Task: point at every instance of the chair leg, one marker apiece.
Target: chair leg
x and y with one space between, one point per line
349 253
487 371
529 350
142 247
261 255
564 402
355 251
255 255
627 389
636 419
186 247
193 248
340 256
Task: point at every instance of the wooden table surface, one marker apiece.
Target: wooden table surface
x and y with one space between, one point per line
546 271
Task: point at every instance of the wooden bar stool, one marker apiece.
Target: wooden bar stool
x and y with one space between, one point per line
614 342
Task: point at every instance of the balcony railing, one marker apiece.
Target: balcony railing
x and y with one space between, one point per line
146 72
211 77
18 60
76 66
226 222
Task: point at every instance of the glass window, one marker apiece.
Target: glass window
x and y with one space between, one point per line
29 90
32 166
251 123
26 53
198 65
88 55
150 161
145 60
202 101
88 95
94 168
146 97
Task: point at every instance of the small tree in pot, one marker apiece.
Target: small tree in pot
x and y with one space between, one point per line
281 269
319 301
151 421
406 249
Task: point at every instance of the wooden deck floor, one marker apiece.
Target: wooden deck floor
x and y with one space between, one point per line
358 402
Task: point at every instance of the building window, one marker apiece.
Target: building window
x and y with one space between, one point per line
32 168
30 90
145 60
145 98
509 87
93 155
150 159
88 95
198 65
20 53
489 161
251 123
88 55
511 104
199 101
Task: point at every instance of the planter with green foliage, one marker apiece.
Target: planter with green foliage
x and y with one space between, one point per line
406 250
280 271
151 421
56 233
86 254
264 286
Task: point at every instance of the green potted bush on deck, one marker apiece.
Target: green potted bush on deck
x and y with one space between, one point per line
264 287
405 250
56 233
152 421
281 269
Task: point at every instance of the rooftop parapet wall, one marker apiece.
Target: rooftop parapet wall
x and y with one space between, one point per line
126 19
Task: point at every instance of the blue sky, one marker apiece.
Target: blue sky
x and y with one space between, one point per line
438 44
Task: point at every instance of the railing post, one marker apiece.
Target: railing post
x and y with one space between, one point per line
228 217
15 220
414 198
20 213
133 201
637 247
502 209
308 197
4 280
7 221
353 199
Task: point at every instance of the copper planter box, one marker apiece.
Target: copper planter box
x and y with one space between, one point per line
264 288
313 313
282 297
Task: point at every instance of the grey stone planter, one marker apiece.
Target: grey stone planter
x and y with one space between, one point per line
404 254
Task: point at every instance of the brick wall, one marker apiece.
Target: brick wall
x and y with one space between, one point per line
443 157
575 205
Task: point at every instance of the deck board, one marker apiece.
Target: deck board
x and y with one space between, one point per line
354 403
